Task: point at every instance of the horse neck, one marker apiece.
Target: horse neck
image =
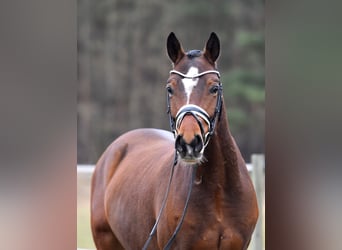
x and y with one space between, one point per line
222 157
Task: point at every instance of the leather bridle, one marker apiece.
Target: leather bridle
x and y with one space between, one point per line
195 110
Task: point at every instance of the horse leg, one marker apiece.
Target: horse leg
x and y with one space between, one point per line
105 239
103 235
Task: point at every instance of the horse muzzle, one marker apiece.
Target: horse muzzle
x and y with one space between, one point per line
191 124
192 152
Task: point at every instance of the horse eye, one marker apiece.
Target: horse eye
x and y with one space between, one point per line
169 90
214 89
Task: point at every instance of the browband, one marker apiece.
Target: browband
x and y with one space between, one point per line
196 75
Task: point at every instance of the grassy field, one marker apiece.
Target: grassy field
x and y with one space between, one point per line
84 237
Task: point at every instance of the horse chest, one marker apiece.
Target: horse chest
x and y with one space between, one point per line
207 232
215 224
227 239
212 237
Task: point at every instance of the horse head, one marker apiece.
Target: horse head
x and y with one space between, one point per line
194 97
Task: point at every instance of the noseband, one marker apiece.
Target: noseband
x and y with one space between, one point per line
196 111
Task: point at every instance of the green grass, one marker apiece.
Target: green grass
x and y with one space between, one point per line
84 236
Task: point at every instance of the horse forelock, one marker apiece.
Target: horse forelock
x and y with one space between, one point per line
193 58
193 53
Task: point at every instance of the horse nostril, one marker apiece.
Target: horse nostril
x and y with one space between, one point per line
180 144
192 149
197 144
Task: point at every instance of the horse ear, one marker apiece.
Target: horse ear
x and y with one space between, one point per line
212 48
174 48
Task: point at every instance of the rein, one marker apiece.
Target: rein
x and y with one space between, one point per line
154 228
175 123
169 243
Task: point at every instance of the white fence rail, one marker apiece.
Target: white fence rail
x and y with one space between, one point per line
257 171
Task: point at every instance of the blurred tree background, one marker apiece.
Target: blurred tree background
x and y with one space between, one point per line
123 66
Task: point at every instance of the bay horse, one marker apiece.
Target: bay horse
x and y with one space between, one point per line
210 202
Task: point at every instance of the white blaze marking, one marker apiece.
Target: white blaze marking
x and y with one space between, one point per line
188 83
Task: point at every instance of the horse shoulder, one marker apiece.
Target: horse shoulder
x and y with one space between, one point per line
124 145
130 174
